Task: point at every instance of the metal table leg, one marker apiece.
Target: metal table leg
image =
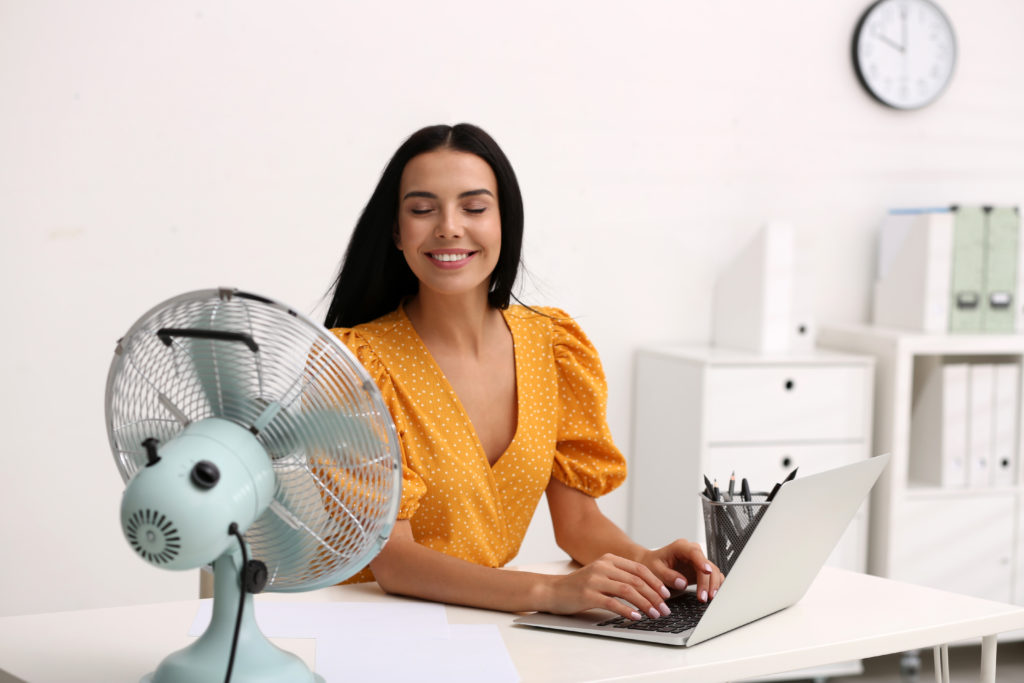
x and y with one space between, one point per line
988 659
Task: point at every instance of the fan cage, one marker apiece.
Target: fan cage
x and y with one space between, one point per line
311 404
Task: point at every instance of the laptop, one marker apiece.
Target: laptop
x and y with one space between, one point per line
776 567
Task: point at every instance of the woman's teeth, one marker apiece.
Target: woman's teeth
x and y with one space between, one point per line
450 257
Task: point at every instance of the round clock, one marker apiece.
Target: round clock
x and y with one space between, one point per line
904 52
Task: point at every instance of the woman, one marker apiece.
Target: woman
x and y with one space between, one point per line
494 405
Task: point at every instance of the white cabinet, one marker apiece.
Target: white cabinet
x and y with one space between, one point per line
710 411
700 410
967 538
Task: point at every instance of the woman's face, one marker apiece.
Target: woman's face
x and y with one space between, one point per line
449 227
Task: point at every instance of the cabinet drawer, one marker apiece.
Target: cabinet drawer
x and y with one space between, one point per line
959 544
786 403
765 465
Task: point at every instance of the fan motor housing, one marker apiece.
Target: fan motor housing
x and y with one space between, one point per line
174 523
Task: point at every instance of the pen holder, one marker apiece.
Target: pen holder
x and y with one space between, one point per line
729 524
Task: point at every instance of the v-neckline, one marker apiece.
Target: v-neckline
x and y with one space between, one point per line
443 379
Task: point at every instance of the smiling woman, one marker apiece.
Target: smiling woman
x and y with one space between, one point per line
495 405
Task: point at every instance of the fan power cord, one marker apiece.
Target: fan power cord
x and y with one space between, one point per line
233 530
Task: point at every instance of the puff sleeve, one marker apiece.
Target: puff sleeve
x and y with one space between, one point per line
586 458
413 486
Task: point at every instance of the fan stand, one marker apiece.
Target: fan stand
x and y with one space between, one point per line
257 660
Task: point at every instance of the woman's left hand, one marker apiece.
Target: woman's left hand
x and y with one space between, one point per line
682 563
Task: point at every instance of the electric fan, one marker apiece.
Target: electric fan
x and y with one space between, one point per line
231 414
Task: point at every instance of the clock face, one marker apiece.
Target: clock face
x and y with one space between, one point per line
904 52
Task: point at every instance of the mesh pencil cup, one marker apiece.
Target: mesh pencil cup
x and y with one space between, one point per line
729 524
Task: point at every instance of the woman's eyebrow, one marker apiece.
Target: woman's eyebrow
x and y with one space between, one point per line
431 195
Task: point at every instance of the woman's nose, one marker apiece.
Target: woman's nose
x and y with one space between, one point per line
449 225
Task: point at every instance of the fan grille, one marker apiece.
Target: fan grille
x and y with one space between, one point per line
312 406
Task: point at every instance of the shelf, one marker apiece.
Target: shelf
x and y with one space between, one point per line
924 491
939 344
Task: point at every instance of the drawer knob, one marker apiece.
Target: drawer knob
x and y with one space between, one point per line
789 385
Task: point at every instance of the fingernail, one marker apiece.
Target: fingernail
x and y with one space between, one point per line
680 584
654 613
665 611
714 592
664 592
707 568
703 596
635 616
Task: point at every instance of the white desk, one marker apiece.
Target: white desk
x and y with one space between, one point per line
843 616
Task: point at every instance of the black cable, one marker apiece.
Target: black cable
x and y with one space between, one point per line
233 530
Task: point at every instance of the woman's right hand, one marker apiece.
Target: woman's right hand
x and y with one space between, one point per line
605 583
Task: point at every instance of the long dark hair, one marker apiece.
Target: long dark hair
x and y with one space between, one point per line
374 277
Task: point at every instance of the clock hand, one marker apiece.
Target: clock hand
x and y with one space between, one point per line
903 22
890 42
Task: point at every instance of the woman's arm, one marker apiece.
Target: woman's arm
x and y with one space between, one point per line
582 530
405 567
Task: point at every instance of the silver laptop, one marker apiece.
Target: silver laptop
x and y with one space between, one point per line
776 567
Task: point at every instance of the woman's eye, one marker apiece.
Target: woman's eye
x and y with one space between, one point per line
420 212
474 210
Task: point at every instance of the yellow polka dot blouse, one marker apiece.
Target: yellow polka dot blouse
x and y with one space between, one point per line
455 501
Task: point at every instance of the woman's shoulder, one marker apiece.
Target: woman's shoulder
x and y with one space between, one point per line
563 329
371 338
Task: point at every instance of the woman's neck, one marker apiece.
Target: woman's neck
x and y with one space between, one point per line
461 323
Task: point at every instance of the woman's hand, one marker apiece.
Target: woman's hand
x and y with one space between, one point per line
682 563
605 583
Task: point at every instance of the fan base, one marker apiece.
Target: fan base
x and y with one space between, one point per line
150 677
257 660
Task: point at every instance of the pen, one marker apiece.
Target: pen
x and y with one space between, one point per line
708 491
775 489
745 490
791 475
715 495
732 484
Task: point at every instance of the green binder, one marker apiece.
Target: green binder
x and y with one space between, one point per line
968 282
998 304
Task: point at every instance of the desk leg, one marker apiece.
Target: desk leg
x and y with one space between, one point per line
988 659
941 653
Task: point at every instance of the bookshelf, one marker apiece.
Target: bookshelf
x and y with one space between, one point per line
968 539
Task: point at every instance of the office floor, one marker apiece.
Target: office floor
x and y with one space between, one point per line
964 664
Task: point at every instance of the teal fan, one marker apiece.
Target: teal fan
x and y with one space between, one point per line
251 438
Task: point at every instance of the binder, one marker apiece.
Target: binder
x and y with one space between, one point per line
938 437
1006 408
968 278
912 284
981 422
754 294
999 304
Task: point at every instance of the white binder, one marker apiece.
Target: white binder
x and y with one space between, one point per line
980 431
915 255
938 441
754 294
1006 408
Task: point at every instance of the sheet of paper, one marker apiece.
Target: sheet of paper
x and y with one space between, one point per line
384 642
313 619
470 654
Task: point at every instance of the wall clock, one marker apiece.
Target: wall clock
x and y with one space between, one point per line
904 52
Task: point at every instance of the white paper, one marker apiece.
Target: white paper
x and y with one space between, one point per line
471 654
359 641
313 619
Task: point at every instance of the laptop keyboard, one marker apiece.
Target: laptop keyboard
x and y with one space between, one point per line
685 610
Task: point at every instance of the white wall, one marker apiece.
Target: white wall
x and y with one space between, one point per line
148 149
